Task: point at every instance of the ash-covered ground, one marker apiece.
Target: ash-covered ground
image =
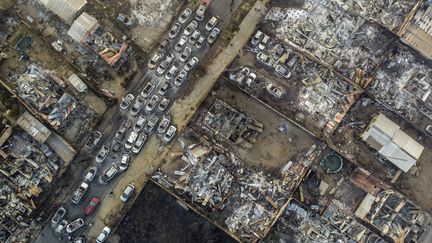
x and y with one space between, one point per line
156 217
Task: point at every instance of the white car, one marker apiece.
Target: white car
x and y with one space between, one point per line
169 135
162 67
124 162
211 23
140 123
163 125
126 101
180 78
152 103
110 173
190 28
251 78
74 225
185 54
174 30
58 216
200 12
136 148
164 104
184 16
191 64
172 72
102 154
213 35
194 37
61 227
131 139
103 235
181 44
91 174
127 192
154 61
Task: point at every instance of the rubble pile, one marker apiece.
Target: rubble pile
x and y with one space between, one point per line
227 124
339 216
150 13
332 35
107 46
243 198
298 224
44 92
26 171
404 83
391 14
395 216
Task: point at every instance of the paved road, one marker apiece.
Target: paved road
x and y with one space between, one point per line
181 111
110 124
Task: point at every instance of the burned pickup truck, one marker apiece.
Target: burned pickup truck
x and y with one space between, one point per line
78 194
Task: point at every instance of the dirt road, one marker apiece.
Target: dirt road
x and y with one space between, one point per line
152 156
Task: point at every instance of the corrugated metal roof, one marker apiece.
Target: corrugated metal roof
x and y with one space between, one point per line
408 144
65 9
390 141
386 125
77 83
82 27
397 156
33 127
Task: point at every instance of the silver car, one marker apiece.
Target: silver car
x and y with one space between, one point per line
102 154
191 64
185 54
140 123
184 16
152 103
127 192
124 162
180 78
213 35
136 108
169 135
163 125
174 30
136 148
126 101
190 28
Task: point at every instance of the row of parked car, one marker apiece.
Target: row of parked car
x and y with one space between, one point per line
278 58
147 110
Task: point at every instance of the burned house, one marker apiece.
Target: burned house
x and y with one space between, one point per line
227 124
28 165
239 198
343 40
404 83
419 32
86 30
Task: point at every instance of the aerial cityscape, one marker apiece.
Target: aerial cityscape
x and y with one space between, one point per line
216 121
